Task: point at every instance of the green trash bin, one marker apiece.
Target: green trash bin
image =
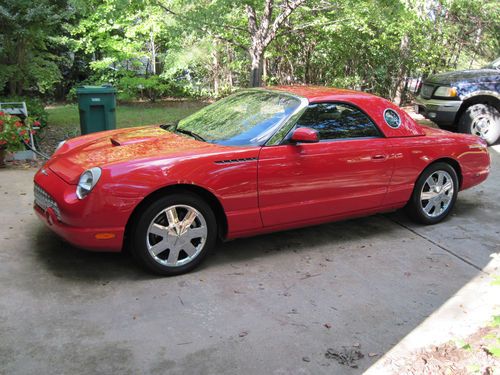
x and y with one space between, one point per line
97 107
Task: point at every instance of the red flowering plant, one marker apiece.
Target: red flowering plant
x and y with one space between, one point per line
13 132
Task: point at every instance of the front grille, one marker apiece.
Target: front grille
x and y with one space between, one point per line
45 201
427 91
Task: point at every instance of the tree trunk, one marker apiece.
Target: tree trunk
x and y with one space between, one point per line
307 67
12 87
18 57
399 90
256 68
264 32
216 66
153 52
264 70
229 75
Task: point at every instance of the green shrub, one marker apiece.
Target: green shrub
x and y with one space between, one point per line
92 81
131 87
151 88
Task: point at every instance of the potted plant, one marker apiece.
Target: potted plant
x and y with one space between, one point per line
13 132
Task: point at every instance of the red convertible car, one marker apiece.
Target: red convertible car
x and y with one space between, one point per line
258 161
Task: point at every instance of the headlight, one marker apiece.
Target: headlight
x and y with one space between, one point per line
88 179
446 92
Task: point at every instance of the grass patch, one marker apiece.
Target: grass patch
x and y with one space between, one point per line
64 121
66 117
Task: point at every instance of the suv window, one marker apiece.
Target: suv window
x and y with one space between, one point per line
337 120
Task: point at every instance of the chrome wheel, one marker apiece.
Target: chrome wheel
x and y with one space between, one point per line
437 193
481 126
176 236
482 120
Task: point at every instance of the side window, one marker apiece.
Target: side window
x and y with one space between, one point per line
338 120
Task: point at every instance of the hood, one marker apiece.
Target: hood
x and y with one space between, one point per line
465 76
120 146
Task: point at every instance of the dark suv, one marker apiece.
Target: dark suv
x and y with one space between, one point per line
467 100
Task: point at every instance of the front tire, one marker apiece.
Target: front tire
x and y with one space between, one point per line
174 234
482 120
434 194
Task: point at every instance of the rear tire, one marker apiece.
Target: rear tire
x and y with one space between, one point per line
482 120
434 194
174 234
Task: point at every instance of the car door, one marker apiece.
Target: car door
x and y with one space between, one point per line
346 172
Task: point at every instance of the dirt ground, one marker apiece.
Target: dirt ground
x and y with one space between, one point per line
462 357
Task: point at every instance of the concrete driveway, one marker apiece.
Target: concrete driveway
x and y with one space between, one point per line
272 304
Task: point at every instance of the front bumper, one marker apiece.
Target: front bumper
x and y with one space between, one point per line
442 112
72 219
110 239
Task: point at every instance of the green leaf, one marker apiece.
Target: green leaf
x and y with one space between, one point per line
496 280
494 350
496 321
462 344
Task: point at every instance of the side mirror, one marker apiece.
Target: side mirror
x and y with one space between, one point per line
304 135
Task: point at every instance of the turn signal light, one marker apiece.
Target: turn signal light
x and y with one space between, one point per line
105 236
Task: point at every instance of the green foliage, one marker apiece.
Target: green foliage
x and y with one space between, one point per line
152 88
27 41
494 350
494 347
150 49
463 345
496 321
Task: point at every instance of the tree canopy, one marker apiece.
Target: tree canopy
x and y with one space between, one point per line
157 48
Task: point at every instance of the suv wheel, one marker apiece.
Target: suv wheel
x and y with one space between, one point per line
482 120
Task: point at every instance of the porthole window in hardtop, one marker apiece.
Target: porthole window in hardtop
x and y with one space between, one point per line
392 118
337 121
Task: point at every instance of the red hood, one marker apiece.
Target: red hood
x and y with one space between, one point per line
101 149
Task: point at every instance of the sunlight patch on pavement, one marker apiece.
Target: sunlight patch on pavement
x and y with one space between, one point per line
464 313
496 148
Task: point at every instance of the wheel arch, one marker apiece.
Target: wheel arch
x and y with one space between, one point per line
414 208
483 98
453 163
204 194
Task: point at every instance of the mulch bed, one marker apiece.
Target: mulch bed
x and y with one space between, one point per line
470 356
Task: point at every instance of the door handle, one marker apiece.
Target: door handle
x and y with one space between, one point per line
379 157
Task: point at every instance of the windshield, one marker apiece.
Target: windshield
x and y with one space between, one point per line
245 118
493 65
